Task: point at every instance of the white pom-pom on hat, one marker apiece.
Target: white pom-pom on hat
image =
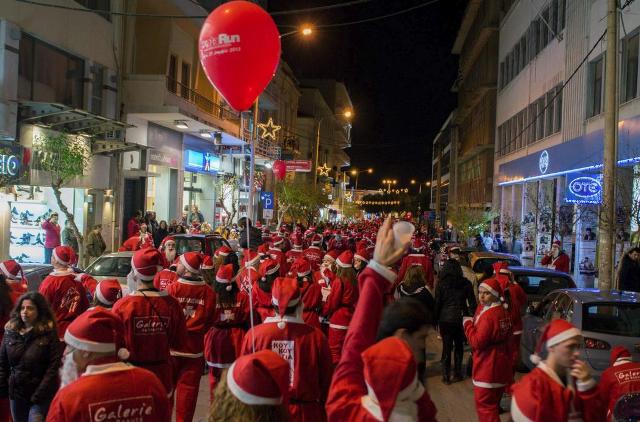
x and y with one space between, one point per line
123 354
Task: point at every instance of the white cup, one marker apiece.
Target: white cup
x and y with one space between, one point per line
402 232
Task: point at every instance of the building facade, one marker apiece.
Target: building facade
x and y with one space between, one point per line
443 170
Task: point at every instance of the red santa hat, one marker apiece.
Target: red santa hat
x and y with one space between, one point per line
64 255
207 263
363 255
557 244
192 261
493 286
316 239
619 354
263 249
390 373
277 240
259 379
225 276
97 330
145 263
333 254
108 291
11 270
268 267
417 244
345 260
223 250
297 242
502 274
167 240
301 267
249 258
554 333
285 294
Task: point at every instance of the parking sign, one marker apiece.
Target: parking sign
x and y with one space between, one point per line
267 200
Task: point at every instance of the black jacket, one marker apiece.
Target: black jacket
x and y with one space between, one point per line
454 298
255 238
421 294
629 276
29 365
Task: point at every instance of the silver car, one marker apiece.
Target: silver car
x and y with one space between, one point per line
112 265
606 319
35 274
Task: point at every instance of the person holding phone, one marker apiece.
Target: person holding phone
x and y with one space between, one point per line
51 236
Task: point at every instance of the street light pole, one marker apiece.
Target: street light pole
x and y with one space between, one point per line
315 169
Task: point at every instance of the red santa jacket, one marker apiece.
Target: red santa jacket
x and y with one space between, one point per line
339 245
262 302
154 324
198 302
246 278
67 298
17 288
560 263
314 255
348 387
292 255
278 256
307 351
517 306
621 378
416 259
223 342
112 392
312 302
541 396
134 243
164 279
341 303
488 334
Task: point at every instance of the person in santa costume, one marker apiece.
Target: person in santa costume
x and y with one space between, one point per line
165 277
275 252
96 385
168 250
198 303
295 252
154 321
560 388
313 253
207 270
261 291
254 388
223 341
378 381
556 259
88 282
360 259
488 335
305 348
341 303
67 298
108 292
15 278
620 378
249 274
311 292
140 240
417 257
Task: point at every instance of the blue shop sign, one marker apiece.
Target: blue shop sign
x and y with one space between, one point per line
201 162
584 188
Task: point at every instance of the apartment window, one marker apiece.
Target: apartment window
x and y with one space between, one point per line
522 121
97 82
172 74
630 67
558 107
533 40
513 125
549 113
540 119
185 80
544 29
561 14
516 56
523 51
554 17
594 106
98 5
532 122
48 74
501 85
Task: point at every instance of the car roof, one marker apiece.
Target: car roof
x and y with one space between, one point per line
584 295
118 254
194 235
537 271
481 255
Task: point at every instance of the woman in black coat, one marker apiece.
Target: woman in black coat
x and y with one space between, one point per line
414 285
30 357
454 299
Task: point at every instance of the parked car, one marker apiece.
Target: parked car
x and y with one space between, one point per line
538 282
205 243
35 274
112 265
479 260
606 318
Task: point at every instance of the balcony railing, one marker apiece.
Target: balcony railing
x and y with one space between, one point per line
203 103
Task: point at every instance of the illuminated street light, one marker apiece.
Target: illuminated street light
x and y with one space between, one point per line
307 30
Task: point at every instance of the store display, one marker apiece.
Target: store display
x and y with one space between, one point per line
26 237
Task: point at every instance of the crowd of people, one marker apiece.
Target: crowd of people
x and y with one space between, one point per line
301 324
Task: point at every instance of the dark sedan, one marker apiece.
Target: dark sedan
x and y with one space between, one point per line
538 282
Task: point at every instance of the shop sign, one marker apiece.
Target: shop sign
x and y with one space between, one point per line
300 166
202 162
543 162
162 158
584 189
10 161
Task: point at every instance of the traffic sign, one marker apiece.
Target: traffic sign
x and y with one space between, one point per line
267 200
267 214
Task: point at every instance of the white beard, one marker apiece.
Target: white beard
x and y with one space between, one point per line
132 283
170 255
68 371
555 253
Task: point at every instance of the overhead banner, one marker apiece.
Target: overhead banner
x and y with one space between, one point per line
584 189
299 166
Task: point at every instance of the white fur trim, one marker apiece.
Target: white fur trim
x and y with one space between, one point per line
87 345
101 297
343 264
535 359
285 318
6 272
339 327
184 262
222 280
55 255
273 270
563 336
361 258
107 367
487 384
586 385
385 272
218 365
304 274
246 397
622 361
191 282
516 413
185 354
292 302
489 289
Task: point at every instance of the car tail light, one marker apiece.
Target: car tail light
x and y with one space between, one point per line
592 343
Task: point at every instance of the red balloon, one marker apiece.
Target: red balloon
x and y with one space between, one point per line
239 51
279 169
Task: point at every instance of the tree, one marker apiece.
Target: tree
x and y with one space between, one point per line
228 193
470 221
64 157
298 201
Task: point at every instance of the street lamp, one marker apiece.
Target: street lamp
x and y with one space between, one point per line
347 115
356 172
389 182
306 31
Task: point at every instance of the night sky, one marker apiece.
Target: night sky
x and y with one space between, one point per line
399 72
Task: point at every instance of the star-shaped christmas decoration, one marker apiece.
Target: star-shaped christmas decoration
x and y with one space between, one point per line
324 170
347 196
269 129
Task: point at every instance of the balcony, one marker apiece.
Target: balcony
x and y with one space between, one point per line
153 94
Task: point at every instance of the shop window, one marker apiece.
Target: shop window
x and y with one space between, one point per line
630 67
594 105
98 6
48 74
97 74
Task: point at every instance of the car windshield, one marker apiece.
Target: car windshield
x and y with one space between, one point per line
621 319
483 262
112 266
184 244
541 285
